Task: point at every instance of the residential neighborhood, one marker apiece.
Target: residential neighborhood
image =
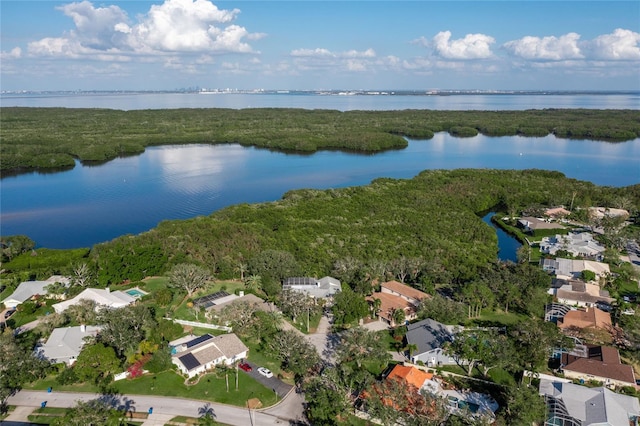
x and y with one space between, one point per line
429 355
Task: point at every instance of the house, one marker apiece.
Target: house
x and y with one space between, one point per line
599 213
571 404
409 375
26 290
572 268
557 212
584 318
322 288
196 355
395 296
463 402
65 344
532 224
578 293
579 244
102 297
429 337
600 363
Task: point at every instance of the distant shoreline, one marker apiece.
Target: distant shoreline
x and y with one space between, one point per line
319 92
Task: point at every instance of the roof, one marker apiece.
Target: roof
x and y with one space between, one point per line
322 288
591 405
582 292
67 342
389 302
210 299
411 375
534 223
593 367
102 297
247 298
27 289
574 267
202 350
590 317
404 290
428 335
557 212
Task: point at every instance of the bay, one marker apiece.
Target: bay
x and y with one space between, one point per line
91 204
334 100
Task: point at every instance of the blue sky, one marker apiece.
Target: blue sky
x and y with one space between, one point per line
385 45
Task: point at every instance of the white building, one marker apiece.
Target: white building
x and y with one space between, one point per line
196 355
26 290
65 344
102 297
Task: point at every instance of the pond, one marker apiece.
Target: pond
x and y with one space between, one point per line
507 245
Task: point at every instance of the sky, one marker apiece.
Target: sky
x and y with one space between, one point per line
320 45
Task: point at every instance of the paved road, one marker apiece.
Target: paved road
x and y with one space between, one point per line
273 383
168 406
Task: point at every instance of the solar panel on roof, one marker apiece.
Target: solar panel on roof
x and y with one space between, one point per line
189 361
208 300
198 340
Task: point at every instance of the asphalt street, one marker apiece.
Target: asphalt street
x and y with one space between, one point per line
291 412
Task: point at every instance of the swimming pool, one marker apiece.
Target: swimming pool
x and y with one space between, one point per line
136 292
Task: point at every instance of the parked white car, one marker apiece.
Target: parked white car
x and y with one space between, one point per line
265 372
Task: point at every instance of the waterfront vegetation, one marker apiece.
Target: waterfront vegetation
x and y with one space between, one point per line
51 138
426 231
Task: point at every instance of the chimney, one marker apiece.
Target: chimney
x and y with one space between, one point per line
83 328
108 289
241 293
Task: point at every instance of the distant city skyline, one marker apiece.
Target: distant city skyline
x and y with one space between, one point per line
320 45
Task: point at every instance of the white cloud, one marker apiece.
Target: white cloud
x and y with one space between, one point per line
620 45
546 48
325 53
175 26
472 46
14 53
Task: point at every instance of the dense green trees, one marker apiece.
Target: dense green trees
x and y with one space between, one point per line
36 138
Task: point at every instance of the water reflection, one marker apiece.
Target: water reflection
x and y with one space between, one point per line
86 205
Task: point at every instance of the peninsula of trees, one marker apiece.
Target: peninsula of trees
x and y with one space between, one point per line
51 138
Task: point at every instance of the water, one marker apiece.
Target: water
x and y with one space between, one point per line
507 245
131 101
91 204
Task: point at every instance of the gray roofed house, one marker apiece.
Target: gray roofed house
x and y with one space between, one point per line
65 344
26 290
572 268
578 293
577 243
197 354
574 405
322 288
532 224
429 336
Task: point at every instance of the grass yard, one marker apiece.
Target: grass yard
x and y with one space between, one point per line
210 387
497 318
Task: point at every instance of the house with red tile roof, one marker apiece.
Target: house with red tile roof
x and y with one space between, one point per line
589 317
600 363
394 295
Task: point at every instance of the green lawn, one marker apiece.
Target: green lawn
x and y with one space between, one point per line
211 387
497 318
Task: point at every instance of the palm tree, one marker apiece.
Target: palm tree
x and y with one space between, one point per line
398 316
253 282
411 348
375 306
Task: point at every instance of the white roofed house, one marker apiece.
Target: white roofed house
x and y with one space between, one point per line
28 289
574 405
65 344
579 244
102 297
195 355
323 288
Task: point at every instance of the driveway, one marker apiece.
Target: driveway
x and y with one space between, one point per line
162 406
273 383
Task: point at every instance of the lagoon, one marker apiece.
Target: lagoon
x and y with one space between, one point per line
95 203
